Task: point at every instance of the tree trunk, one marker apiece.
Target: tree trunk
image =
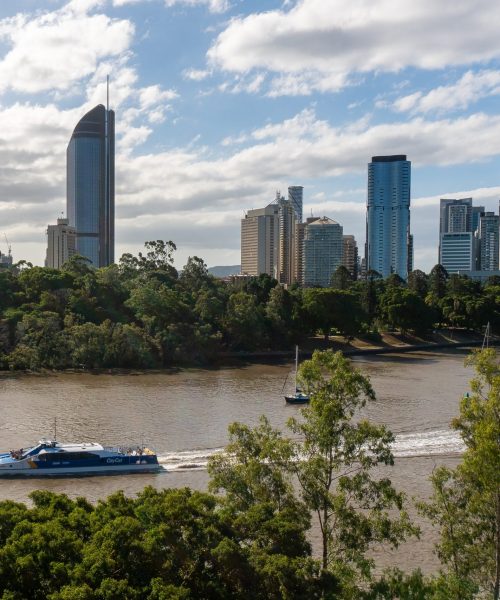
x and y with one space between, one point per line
325 540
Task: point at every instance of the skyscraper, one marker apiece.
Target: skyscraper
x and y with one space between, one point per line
489 225
90 163
350 255
323 247
388 215
268 241
61 243
458 234
296 198
259 241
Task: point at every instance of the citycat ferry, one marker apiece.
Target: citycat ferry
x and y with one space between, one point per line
49 458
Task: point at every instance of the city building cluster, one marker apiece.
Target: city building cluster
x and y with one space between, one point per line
468 238
275 239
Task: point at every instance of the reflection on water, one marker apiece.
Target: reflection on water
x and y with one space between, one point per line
184 417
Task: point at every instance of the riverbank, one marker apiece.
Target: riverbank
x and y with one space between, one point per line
383 343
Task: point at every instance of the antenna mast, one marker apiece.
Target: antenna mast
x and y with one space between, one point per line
107 92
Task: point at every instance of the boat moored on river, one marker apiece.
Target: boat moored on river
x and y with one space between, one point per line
50 458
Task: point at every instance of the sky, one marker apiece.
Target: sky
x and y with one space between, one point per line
220 103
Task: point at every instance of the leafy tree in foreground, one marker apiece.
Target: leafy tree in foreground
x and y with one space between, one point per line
466 501
339 451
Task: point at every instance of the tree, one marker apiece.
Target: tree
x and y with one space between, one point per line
418 282
437 281
466 501
337 456
403 309
341 279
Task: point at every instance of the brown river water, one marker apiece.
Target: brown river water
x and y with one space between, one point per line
184 417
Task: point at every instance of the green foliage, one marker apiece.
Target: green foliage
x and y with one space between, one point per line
356 511
141 313
331 457
466 501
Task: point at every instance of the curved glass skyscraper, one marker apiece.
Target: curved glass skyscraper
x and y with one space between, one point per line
90 163
388 238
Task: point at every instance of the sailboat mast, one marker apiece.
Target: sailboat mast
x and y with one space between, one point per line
296 364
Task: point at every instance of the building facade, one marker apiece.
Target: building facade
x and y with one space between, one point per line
388 215
350 255
296 199
322 254
259 241
61 243
458 251
489 230
90 162
268 241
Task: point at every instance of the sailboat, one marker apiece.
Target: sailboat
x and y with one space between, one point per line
299 397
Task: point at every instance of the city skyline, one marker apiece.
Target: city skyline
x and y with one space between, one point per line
217 111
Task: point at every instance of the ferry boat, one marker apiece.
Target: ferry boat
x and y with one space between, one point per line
49 458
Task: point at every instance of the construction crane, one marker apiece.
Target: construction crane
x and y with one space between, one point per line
8 245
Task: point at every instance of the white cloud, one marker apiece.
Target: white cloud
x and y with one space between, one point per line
318 44
153 94
470 88
53 50
196 74
215 6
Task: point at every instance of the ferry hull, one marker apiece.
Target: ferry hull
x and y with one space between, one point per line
78 471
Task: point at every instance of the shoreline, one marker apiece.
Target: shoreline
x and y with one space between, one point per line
239 358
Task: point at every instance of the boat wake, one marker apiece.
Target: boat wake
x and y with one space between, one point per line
439 442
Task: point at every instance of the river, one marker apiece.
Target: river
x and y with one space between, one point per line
184 416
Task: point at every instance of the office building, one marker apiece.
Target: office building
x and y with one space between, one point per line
489 229
459 235
459 206
322 254
388 215
458 251
90 162
350 255
296 199
61 243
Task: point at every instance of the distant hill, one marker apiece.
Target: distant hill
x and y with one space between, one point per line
224 271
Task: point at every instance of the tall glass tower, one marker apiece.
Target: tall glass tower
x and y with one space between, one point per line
388 215
90 178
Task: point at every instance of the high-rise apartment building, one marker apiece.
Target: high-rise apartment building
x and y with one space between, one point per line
61 243
350 255
300 232
296 199
90 162
268 241
388 215
489 230
286 256
259 241
322 254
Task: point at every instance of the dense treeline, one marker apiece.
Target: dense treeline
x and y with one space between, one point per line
248 538
143 313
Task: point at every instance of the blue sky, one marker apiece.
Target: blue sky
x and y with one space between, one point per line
220 103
